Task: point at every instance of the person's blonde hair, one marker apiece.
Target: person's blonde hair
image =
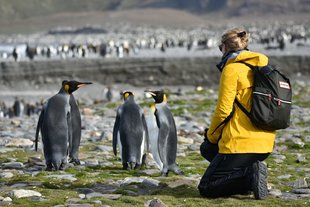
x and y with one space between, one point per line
235 39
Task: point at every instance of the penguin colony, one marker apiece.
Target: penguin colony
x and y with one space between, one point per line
135 132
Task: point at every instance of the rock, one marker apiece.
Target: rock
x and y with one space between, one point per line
19 143
35 161
69 177
7 199
275 192
105 188
194 147
87 111
151 171
104 148
302 183
301 191
131 180
184 140
149 183
82 196
112 196
93 195
6 175
287 176
184 181
12 165
73 200
85 190
108 196
16 122
156 202
289 196
91 162
80 205
280 148
25 193
301 158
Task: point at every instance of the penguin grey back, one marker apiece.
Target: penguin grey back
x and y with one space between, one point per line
167 134
129 133
55 130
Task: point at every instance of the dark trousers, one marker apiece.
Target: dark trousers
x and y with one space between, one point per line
227 174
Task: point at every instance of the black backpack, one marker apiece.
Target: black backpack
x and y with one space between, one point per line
271 99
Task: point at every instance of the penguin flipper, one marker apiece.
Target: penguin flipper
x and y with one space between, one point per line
115 132
74 143
39 125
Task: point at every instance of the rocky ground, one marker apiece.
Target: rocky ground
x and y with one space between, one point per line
100 181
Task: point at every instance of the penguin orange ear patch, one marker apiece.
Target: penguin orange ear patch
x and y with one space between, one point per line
67 88
126 95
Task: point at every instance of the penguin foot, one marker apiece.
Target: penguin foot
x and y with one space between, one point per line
49 167
126 166
62 166
75 161
138 166
178 172
143 160
164 174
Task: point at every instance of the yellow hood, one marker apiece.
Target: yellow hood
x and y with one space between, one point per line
252 58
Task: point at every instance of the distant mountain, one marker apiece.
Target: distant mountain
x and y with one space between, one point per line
17 9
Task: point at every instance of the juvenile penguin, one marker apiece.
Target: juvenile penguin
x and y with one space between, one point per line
60 126
164 145
130 132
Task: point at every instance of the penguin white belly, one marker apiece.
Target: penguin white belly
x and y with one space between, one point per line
142 147
153 139
119 143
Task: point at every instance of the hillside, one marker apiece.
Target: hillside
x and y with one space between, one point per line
34 15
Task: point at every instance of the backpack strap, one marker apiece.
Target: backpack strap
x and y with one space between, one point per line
242 108
223 123
236 100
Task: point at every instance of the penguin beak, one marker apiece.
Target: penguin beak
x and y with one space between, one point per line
150 92
84 84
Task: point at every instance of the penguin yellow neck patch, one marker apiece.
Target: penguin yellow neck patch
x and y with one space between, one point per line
165 99
67 88
153 107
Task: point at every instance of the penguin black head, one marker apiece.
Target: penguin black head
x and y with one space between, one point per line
126 94
158 96
71 86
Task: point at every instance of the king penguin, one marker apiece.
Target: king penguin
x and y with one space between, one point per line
163 141
130 132
60 127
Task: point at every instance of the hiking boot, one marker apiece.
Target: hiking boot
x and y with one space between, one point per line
259 180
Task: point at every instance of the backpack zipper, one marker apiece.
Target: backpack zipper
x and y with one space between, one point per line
280 100
276 99
263 94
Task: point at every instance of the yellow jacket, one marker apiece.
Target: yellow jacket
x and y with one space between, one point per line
239 135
